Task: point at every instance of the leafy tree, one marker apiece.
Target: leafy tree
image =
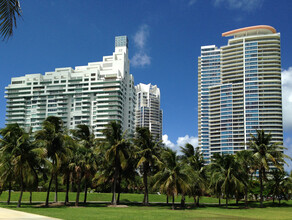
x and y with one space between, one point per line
51 137
173 177
225 171
9 11
117 153
147 153
265 152
246 163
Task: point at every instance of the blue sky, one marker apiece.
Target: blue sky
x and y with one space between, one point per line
165 39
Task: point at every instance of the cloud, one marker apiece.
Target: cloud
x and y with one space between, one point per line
191 2
288 145
245 5
287 98
141 58
180 142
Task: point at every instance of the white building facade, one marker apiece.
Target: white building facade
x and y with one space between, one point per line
94 94
248 96
148 113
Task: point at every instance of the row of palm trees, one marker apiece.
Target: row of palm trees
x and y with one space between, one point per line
139 163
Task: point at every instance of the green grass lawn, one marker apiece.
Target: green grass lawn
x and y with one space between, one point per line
104 197
154 211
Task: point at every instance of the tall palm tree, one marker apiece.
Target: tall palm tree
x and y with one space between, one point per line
117 153
173 177
265 152
51 137
23 155
246 161
9 11
86 138
147 154
224 171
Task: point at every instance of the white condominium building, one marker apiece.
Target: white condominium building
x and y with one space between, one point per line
94 94
248 95
148 112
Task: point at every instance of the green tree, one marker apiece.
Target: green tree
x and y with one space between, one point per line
246 163
193 158
86 138
23 155
117 153
173 177
9 11
225 172
265 152
51 137
147 153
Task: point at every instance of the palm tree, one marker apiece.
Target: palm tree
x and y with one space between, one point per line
117 153
86 138
225 172
147 154
173 177
245 160
194 158
9 10
265 153
51 137
23 155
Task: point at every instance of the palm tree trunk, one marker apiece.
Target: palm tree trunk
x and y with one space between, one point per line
172 202
67 188
145 201
245 196
219 200
226 202
198 201
114 200
261 187
49 188
21 192
78 192
9 193
119 189
30 197
166 199
195 201
56 188
182 202
85 192
273 199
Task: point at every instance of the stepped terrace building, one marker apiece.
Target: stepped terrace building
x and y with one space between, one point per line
148 112
94 94
239 90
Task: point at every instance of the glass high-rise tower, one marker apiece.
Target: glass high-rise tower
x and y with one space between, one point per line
239 90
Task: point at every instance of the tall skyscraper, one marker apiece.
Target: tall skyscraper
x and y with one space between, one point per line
148 112
94 94
239 90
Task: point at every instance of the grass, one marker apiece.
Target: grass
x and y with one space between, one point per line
154 211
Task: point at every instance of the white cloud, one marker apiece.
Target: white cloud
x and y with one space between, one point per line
287 98
141 58
191 2
288 145
245 5
180 142
141 36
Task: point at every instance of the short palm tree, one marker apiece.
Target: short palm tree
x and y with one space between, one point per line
9 10
173 177
246 161
265 152
147 153
225 172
